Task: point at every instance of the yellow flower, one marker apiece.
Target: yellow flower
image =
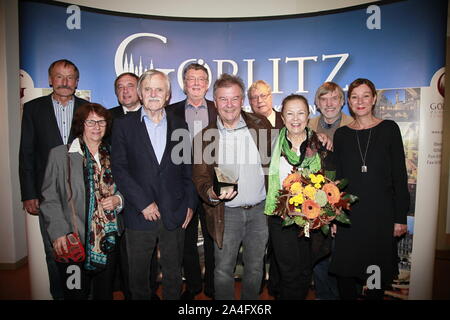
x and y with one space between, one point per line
297 200
317 179
317 186
296 188
309 191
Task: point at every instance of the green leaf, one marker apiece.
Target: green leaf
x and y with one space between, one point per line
352 198
287 222
329 210
325 229
343 218
330 175
342 184
299 221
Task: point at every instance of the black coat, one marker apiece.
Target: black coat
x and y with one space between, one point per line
39 134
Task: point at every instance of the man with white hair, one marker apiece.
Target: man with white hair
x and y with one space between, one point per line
159 193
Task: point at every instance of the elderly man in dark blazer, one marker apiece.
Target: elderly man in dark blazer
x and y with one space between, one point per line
46 123
158 189
198 112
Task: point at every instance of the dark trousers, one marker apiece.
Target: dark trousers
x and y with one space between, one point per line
56 290
349 289
123 269
273 283
140 246
324 282
79 284
293 255
191 259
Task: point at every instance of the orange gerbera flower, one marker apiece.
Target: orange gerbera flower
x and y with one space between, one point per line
333 193
290 180
311 209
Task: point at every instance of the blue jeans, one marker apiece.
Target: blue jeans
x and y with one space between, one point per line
249 227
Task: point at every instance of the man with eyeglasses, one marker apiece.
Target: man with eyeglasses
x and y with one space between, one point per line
260 98
46 123
198 112
238 146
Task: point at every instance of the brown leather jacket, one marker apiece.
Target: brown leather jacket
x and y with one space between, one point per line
202 174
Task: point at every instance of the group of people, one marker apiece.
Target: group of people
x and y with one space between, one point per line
127 182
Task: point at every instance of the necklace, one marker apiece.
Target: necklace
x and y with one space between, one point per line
363 159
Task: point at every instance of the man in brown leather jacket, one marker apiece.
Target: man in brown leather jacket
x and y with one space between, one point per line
238 143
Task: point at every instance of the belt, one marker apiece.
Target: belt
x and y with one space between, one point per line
248 207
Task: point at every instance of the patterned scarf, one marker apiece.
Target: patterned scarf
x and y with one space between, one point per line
308 158
101 225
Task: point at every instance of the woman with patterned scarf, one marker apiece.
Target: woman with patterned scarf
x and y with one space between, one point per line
79 189
297 148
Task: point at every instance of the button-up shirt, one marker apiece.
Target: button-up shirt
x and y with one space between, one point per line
64 115
239 159
157 133
196 117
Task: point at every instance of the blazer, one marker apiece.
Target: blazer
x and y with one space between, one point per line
178 109
203 173
278 120
116 112
142 180
55 206
39 135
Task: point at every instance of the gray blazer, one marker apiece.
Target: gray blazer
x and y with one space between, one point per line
55 207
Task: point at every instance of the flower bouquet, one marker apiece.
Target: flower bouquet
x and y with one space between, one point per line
312 201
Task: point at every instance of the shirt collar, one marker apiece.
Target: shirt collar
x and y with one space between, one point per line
76 147
57 103
144 115
125 109
190 106
241 124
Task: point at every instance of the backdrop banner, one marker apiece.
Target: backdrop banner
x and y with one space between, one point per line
399 45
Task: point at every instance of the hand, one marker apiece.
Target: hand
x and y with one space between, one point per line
110 203
188 219
400 229
326 141
60 245
228 194
31 206
151 213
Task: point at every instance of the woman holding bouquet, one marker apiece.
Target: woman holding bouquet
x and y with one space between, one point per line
369 153
297 147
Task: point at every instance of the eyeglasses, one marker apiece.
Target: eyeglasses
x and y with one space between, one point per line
262 96
233 101
92 123
193 80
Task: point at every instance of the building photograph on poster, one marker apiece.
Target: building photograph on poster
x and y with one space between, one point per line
293 54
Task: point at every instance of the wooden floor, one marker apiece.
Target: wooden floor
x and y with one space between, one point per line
15 285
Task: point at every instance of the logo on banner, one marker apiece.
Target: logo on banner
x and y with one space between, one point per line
126 62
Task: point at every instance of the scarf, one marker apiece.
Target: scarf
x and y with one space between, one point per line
309 158
101 225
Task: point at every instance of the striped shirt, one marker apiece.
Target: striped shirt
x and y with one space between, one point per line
64 115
